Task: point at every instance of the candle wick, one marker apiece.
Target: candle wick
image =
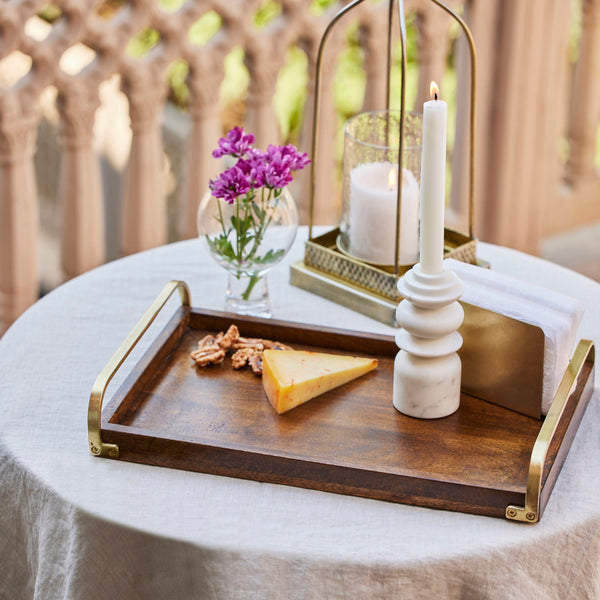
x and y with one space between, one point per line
435 95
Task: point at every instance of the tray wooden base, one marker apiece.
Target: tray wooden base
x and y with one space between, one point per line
350 440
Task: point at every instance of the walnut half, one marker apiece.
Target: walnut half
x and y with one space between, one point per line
209 351
212 350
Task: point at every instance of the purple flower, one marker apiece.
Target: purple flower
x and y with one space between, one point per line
235 143
251 165
274 175
273 168
230 185
289 156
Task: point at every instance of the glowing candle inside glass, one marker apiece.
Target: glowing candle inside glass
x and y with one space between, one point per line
372 218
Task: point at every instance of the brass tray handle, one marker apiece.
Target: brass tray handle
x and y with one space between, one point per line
530 513
97 446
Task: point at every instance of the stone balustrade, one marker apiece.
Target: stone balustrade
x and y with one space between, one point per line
523 91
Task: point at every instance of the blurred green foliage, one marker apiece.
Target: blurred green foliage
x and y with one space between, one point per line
349 79
318 7
205 28
49 13
267 12
140 45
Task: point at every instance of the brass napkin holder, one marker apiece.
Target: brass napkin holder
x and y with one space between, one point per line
502 357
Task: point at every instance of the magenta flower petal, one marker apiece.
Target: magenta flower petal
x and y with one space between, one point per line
230 185
235 143
272 169
297 160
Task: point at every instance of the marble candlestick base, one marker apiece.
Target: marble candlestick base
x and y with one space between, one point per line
427 370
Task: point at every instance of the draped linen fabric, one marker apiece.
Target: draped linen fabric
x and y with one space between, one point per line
73 526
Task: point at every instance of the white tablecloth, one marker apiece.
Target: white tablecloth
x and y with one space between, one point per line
76 526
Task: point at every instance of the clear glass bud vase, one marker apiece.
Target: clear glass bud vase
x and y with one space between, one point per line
248 238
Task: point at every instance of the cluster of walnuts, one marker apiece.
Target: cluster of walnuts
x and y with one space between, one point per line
212 350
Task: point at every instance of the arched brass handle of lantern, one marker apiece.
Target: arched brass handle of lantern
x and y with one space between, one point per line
97 446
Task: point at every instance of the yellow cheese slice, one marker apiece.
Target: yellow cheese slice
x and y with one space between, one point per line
291 377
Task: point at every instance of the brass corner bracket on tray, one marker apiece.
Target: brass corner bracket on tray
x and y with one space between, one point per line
530 513
97 446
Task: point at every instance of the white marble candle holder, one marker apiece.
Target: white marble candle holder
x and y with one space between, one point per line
427 370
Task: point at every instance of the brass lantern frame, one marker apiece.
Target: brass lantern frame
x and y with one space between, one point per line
327 271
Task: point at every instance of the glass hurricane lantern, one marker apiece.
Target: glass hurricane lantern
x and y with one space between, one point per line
369 191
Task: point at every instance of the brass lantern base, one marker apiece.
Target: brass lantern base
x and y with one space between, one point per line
363 287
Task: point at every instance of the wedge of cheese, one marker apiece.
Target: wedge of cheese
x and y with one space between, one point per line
291 377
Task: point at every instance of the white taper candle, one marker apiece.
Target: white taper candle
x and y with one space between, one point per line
433 182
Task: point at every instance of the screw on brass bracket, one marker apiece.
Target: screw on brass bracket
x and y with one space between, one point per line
517 513
97 446
530 513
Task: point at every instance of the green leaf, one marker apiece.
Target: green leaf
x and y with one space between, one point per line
270 257
241 225
222 246
259 212
235 223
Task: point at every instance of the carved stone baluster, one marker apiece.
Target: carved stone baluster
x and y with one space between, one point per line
374 42
264 59
506 114
585 108
143 216
575 204
544 171
80 184
205 130
527 180
19 227
480 16
522 117
433 25
327 209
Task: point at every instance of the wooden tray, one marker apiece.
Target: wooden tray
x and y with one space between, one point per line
484 459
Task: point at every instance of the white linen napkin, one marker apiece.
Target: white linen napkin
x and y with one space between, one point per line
556 314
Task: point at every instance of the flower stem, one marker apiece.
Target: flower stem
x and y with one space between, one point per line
220 218
254 279
237 237
262 227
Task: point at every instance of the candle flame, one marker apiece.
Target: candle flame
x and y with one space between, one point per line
392 179
434 90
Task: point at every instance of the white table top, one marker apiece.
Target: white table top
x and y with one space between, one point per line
72 524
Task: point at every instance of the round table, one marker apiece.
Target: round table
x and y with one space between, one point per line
76 526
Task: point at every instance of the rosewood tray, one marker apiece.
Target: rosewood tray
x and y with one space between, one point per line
483 459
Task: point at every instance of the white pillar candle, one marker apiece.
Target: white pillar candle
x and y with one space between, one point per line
433 182
372 215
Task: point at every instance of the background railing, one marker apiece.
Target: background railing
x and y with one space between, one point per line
109 111
576 195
